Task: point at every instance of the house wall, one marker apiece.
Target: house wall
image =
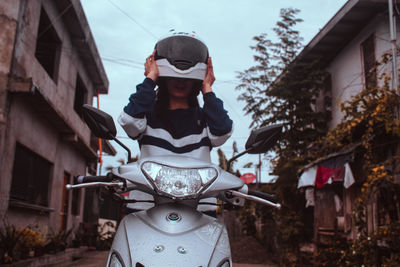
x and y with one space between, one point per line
9 23
62 91
52 148
25 122
347 68
347 80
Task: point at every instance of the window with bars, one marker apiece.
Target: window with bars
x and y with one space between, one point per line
30 177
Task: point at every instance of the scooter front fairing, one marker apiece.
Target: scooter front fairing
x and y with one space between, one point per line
171 235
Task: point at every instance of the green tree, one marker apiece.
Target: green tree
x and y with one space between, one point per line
279 89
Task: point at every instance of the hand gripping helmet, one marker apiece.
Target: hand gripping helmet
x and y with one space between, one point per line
181 55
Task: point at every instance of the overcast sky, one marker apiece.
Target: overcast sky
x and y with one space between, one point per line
125 32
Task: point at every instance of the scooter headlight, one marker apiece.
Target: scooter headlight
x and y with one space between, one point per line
178 182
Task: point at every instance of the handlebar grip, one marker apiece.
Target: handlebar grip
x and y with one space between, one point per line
263 195
91 179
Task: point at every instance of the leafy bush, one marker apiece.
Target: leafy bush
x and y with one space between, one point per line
9 238
19 243
57 240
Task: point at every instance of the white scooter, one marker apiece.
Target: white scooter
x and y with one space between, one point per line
173 233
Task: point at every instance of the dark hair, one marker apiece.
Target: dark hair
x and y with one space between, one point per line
162 98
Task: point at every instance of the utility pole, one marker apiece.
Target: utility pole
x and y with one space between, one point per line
393 41
258 172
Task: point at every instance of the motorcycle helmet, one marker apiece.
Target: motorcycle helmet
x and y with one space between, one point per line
181 55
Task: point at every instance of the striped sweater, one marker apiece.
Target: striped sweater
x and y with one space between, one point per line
191 132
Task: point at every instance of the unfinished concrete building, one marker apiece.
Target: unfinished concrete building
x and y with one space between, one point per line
49 68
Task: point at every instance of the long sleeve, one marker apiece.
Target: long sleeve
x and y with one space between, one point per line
219 125
133 119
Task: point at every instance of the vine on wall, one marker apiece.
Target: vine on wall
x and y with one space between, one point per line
370 123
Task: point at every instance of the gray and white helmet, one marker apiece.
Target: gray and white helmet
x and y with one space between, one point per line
181 55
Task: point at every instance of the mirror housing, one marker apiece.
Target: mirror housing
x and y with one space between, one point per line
100 123
102 126
260 140
263 139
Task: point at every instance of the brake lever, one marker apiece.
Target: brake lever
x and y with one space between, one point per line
94 184
254 198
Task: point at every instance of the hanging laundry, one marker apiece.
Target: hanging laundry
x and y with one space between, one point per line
348 176
336 169
309 195
307 178
328 175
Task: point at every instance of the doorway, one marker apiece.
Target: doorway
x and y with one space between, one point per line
64 203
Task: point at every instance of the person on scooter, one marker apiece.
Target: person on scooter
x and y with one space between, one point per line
169 120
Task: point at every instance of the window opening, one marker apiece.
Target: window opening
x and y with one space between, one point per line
48 46
80 96
368 51
30 177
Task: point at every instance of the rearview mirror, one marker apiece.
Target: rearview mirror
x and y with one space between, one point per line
100 123
263 139
260 140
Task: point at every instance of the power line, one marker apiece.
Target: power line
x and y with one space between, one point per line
132 19
125 137
227 102
125 60
228 81
121 63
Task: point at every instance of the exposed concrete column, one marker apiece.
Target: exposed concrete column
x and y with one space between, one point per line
11 12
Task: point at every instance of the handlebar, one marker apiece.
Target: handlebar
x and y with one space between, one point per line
109 181
263 195
95 181
92 179
94 184
255 198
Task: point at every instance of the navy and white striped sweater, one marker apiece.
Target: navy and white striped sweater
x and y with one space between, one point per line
191 132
